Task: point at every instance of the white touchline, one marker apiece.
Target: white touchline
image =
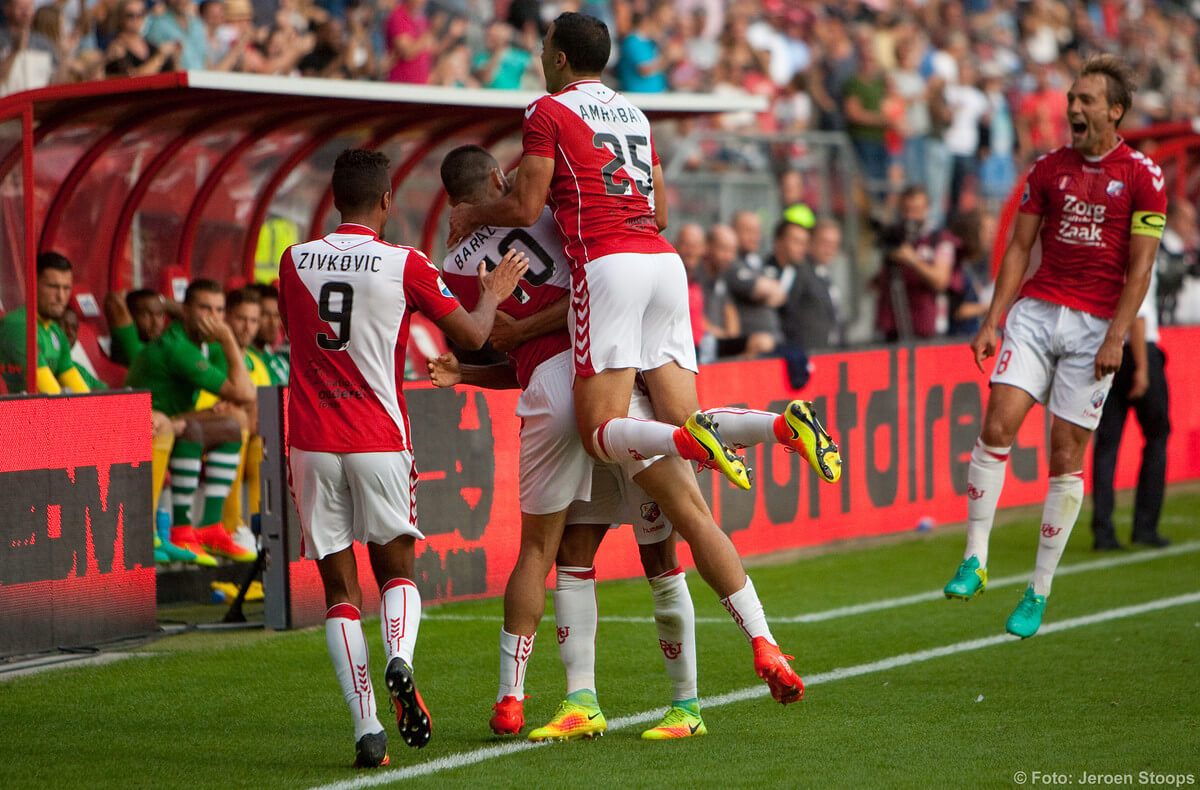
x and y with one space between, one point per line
891 603
463 759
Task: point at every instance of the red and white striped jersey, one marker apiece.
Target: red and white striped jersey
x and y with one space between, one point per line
345 300
547 280
602 191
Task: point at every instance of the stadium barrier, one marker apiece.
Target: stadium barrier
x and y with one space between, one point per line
906 418
76 541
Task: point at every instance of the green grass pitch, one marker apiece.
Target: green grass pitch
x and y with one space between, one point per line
1117 696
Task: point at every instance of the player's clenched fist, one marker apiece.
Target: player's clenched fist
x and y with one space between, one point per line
501 281
983 344
1108 358
444 371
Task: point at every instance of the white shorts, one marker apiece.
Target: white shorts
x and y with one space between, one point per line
344 497
618 500
630 310
1050 352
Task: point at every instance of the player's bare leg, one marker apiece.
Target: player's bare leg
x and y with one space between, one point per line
1006 410
611 436
672 484
348 650
400 620
1068 444
524 605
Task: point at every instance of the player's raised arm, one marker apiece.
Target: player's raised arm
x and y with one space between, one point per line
1013 266
520 208
471 330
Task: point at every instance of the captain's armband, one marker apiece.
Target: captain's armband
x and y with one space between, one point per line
1148 223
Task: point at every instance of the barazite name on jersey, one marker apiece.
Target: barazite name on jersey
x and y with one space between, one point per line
335 262
473 245
596 112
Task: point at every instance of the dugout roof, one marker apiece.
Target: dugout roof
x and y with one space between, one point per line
145 182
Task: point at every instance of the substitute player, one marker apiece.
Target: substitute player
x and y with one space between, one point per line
1100 207
345 300
590 153
555 471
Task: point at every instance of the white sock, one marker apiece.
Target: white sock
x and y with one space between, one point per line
400 617
747 611
348 650
1063 500
985 479
631 439
744 427
575 615
675 618
515 651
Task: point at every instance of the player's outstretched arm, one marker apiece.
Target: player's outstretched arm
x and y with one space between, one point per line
446 371
508 332
1142 250
1012 270
471 330
520 208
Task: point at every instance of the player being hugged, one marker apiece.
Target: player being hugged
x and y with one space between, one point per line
1098 207
345 300
588 153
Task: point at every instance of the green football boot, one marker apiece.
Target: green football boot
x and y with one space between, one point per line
1026 619
969 580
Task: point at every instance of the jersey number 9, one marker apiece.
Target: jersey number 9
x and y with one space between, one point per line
339 315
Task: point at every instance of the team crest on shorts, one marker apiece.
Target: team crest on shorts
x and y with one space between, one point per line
1097 399
1115 188
650 511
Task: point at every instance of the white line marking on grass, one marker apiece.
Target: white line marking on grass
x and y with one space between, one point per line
891 603
463 759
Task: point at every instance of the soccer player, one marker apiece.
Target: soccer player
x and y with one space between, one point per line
1098 207
554 471
56 370
345 301
590 153
195 354
266 342
134 319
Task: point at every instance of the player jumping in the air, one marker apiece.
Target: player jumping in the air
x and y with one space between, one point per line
589 153
345 300
556 471
1100 208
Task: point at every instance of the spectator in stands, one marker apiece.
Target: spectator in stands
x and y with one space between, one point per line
756 292
178 22
968 109
224 45
452 68
865 120
689 243
27 58
134 319
832 71
828 262
132 55
722 332
748 227
56 371
970 290
500 64
415 41
329 55
1042 114
199 353
50 23
644 63
998 169
807 315
918 263
913 92
1178 265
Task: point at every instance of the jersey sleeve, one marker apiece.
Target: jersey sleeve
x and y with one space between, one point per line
126 344
1033 200
286 266
424 289
186 361
465 287
539 131
1149 201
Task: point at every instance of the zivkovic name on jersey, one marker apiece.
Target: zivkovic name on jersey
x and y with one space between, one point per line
338 263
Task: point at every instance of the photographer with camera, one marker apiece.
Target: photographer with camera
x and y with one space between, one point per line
918 264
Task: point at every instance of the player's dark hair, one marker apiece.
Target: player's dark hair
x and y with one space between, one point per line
265 291
584 40
1118 80
52 260
241 296
465 171
360 178
133 298
202 286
